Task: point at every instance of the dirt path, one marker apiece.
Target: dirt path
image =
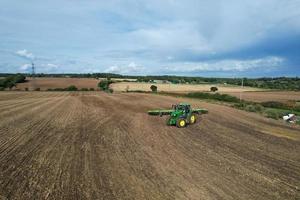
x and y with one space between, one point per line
99 146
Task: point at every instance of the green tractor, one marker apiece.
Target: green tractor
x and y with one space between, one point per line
180 115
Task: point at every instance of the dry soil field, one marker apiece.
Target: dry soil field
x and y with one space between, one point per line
178 87
46 83
92 145
248 93
281 96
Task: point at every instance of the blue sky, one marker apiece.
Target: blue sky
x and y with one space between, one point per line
217 38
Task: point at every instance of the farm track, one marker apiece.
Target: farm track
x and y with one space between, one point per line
91 145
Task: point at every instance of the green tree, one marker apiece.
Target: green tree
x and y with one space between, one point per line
153 88
104 85
214 89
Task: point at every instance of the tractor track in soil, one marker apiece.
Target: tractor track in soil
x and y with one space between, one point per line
93 145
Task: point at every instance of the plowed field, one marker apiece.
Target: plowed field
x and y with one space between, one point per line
45 83
93 145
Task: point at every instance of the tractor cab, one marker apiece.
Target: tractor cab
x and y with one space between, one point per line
186 108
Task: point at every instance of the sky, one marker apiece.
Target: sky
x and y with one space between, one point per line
214 38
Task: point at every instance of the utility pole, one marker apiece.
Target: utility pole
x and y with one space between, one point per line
33 76
32 69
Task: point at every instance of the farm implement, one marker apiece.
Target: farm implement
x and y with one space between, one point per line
180 115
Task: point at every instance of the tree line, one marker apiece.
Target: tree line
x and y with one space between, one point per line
281 83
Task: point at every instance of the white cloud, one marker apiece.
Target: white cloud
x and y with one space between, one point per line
25 67
47 68
227 65
170 36
25 54
132 68
50 65
41 68
170 57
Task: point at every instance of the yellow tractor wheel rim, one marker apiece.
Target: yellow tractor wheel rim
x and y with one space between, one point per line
182 123
192 119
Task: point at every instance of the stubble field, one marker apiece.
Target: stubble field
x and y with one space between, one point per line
93 145
123 86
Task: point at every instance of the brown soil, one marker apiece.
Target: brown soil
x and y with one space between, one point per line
282 96
51 83
93 145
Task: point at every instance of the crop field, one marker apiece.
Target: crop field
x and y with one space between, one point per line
247 93
281 96
124 79
93 145
178 87
45 83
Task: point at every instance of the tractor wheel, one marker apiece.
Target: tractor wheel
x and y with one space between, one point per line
193 119
180 123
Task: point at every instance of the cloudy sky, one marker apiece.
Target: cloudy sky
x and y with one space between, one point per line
191 37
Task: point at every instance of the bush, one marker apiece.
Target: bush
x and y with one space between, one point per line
37 89
250 108
92 89
71 88
11 81
216 96
241 105
2 88
19 78
272 114
273 104
297 108
213 89
26 89
58 89
2 83
258 108
153 88
110 90
10 85
84 89
137 91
